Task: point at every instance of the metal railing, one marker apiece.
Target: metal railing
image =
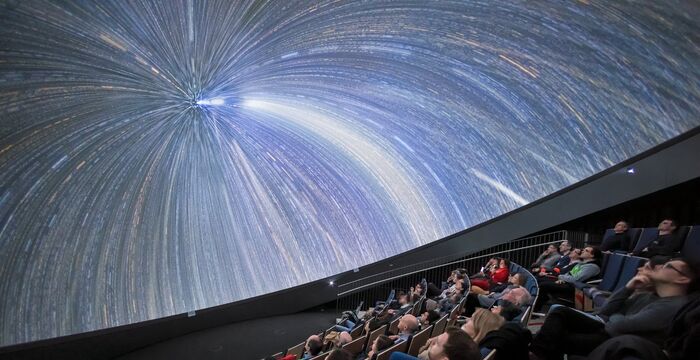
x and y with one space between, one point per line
377 286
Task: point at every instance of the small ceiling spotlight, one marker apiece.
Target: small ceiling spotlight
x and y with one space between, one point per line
630 170
330 283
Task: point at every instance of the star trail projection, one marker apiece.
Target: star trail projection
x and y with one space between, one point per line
158 157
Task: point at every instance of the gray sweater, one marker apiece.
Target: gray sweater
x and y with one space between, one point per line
582 271
644 314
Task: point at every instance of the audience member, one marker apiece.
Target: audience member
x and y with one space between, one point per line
564 251
682 343
339 354
564 285
313 347
453 344
574 258
428 318
646 314
668 243
481 323
408 325
546 260
496 277
382 342
619 240
507 310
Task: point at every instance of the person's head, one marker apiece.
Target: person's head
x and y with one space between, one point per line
481 323
314 345
667 226
575 254
343 338
551 249
591 253
492 261
454 344
620 227
653 264
339 354
519 296
503 263
565 246
429 317
418 289
678 273
517 279
408 324
404 299
382 342
459 284
506 309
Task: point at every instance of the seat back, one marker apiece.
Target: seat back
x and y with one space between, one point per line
629 270
682 233
356 332
296 350
415 311
491 355
525 319
419 340
612 272
647 236
356 346
320 356
400 347
606 236
691 246
439 326
375 334
394 327
634 236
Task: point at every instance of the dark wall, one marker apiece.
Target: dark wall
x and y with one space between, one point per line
670 164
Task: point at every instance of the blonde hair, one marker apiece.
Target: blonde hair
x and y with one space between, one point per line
484 322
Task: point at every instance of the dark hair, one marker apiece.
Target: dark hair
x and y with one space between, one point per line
522 278
315 346
460 346
693 272
506 261
459 276
383 342
674 224
339 354
597 254
433 315
509 310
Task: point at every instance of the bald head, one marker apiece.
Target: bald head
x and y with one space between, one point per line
408 324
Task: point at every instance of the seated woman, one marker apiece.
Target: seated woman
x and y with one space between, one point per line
585 270
491 265
497 276
481 323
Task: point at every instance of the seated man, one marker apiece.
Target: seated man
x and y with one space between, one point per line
574 258
619 240
453 344
546 260
564 286
508 310
428 318
681 343
668 243
313 347
408 325
404 305
514 290
647 313
564 251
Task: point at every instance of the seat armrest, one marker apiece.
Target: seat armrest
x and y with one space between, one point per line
593 282
581 285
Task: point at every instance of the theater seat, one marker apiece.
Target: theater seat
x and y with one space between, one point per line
647 236
629 269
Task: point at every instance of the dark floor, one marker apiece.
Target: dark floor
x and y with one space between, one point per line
252 339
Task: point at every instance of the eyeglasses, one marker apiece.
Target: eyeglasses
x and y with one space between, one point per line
668 265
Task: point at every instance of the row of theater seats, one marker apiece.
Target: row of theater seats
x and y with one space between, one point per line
617 270
362 341
641 237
